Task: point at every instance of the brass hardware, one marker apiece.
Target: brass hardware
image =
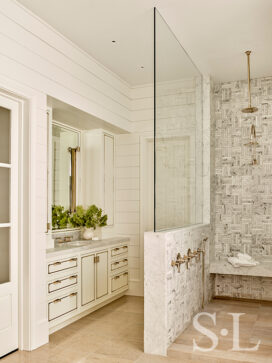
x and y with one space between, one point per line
67 239
116 263
73 152
57 282
116 249
73 277
73 294
249 109
125 260
179 261
96 259
57 301
116 277
126 273
253 143
72 259
56 263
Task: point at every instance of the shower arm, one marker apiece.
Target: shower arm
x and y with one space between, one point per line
248 76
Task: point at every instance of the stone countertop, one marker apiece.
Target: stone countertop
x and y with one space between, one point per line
264 269
67 248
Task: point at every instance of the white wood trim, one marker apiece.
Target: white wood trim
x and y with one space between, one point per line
4 165
5 225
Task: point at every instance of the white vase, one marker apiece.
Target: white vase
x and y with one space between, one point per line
98 233
87 233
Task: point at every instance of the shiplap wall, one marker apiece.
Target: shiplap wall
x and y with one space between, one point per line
36 61
36 55
127 203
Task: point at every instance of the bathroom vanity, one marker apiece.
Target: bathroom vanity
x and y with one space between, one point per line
83 276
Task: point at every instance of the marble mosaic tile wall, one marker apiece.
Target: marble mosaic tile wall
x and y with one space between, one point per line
241 198
242 210
172 298
247 287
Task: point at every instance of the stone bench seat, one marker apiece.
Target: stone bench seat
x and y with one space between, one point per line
264 269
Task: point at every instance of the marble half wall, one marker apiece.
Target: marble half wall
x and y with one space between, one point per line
172 298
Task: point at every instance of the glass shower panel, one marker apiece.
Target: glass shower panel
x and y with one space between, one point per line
177 132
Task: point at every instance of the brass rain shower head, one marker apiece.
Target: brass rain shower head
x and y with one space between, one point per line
249 109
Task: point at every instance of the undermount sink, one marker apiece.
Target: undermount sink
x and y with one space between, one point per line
78 243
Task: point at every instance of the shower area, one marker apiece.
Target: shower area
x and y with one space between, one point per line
176 253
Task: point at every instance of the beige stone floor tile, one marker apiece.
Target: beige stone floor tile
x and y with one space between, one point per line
130 350
100 358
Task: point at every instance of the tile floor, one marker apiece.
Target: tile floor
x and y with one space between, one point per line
115 334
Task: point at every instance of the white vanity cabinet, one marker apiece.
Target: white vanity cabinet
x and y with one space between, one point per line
94 277
81 282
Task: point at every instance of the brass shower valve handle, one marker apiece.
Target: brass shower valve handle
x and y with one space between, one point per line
192 255
179 261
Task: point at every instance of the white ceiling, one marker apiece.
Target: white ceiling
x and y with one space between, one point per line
215 33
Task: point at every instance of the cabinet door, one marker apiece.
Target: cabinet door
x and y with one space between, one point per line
87 279
101 274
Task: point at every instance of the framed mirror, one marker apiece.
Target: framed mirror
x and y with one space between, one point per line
65 167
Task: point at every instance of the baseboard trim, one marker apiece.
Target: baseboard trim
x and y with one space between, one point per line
242 299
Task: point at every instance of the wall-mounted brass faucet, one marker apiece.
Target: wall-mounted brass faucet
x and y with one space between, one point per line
179 261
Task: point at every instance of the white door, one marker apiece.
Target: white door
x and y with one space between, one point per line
87 279
8 225
101 274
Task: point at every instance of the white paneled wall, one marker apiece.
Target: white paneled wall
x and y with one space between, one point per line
127 184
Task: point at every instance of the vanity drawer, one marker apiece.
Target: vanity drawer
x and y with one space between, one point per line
119 281
62 283
62 306
62 265
118 264
119 250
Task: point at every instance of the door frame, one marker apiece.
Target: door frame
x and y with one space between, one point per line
33 328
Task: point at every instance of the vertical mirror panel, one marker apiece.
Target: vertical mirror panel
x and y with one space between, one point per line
4 255
62 140
177 132
4 195
4 135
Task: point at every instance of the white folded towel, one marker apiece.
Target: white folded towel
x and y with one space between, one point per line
242 259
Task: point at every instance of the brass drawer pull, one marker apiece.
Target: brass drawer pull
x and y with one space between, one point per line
126 273
73 259
116 249
116 277
57 301
56 263
73 277
73 294
125 260
116 263
125 247
57 282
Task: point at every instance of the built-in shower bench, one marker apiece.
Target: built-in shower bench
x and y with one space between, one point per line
264 269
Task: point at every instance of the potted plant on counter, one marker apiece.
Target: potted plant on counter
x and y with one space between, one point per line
88 219
60 217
